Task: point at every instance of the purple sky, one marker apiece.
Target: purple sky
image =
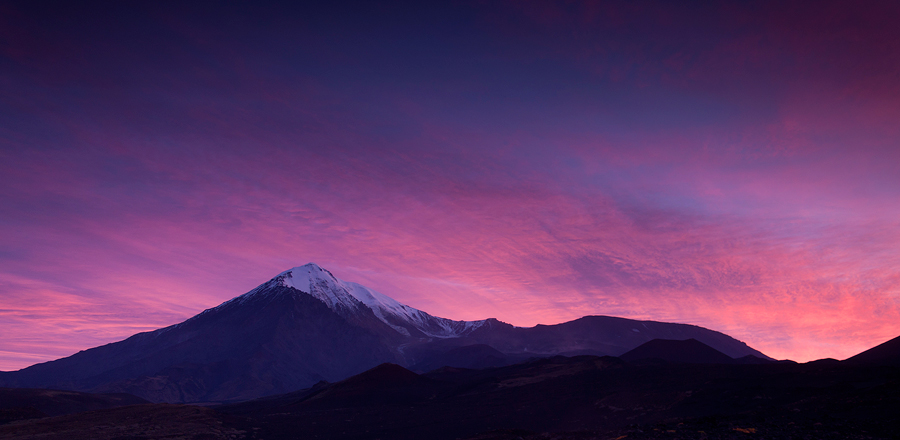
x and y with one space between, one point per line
734 165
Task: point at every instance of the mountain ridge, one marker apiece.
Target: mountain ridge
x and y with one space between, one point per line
304 325
689 351
886 353
348 299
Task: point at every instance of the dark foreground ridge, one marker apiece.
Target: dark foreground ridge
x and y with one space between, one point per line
305 326
25 403
690 351
887 353
580 397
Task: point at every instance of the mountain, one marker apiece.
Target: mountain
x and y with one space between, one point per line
887 353
356 303
593 335
690 351
272 340
305 326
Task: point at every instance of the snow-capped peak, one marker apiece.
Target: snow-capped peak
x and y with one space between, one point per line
320 283
347 298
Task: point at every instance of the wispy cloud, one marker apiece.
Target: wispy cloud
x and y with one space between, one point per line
732 168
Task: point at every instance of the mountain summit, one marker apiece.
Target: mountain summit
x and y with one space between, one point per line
351 300
305 325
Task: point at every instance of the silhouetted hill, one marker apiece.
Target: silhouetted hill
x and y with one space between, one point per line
752 360
384 384
690 351
26 403
136 422
384 375
594 335
470 356
601 397
561 398
887 353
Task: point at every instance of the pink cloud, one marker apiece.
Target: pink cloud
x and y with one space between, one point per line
748 185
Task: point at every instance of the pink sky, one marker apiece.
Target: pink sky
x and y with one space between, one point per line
728 166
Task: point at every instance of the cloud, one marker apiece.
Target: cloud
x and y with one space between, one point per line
745 182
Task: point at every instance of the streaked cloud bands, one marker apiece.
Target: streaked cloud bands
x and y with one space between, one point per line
733 166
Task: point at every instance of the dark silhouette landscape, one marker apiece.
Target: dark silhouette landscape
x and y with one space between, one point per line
306 355
305 326
596 219
579 397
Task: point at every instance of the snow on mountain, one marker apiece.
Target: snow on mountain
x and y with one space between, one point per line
346 298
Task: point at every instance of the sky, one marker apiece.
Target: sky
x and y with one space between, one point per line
734 164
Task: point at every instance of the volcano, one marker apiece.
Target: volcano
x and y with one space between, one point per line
305 326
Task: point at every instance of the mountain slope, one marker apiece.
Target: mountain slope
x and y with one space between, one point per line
593 398
350 300
304 326
887 353
29 403
594 335
470 356
276 341
690 351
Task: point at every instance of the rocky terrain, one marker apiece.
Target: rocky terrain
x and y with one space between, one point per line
565 398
